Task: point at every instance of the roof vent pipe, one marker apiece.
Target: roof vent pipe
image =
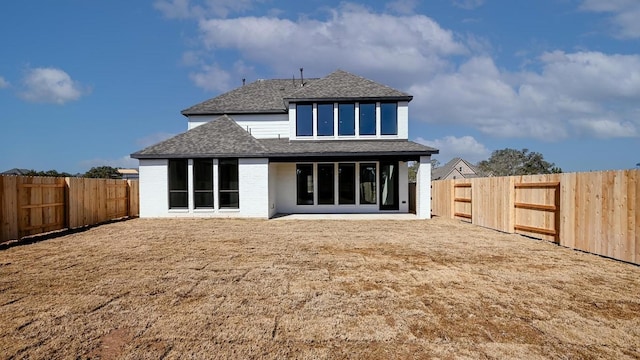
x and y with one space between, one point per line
301 77
243 81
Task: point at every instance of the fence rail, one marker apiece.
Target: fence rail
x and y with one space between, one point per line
33 205
596 212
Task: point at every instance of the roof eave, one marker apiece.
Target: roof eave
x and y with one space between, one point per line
339 99
232 112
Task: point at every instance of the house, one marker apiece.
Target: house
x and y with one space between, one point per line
128 174
337 144
16 171
457 168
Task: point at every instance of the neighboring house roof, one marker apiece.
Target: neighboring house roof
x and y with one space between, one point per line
444 171
127 171
342 85
15 171
261 96
223 137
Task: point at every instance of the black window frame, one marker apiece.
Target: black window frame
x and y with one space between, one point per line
320 130
203 186
384 121
177 167
229 192
303 195
299 120
346 184
326 184
360 119
347 123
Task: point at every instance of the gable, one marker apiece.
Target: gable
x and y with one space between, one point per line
342 85
221 137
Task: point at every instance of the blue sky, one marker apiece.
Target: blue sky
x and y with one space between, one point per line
86 83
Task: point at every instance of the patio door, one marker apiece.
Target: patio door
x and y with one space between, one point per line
389 185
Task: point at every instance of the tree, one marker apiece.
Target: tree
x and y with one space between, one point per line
413 169
54 173
103 172
508 162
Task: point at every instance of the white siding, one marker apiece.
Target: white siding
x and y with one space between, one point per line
261 126
154 193
423 188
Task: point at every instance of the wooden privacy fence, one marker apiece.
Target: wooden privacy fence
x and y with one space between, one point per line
34 205
595 212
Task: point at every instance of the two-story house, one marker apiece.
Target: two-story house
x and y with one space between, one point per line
337 144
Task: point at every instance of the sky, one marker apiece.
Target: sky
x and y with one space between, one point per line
86 83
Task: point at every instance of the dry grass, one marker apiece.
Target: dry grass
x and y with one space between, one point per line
312 289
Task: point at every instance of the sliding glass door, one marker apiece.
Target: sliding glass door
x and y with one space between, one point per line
389 185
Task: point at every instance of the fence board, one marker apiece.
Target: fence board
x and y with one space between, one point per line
33 205
595 212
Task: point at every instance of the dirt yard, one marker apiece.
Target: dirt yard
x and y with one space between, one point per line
312 290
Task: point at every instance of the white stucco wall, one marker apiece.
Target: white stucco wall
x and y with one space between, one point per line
423 188
154 196
261 126
253 176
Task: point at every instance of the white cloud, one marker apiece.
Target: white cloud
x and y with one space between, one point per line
3 83
352 38
550 105
625 15
212 78
50 85
123 162
465 147
468 4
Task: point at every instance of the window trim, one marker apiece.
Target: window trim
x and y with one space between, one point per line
197 191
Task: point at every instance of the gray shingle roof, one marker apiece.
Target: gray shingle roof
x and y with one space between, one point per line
223 137
261 96
339 148
270 96
343 85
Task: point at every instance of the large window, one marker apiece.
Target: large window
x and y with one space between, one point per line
346 183
367 119
203 183
346 119
389 118
326 181
304 120
325 119
368 183
178 188
228 183
304 184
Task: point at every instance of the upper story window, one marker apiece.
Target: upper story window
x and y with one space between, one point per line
367 118
356 119
389 118
304 120
325 120
346 119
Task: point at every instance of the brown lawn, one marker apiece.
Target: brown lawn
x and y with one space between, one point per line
312 290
